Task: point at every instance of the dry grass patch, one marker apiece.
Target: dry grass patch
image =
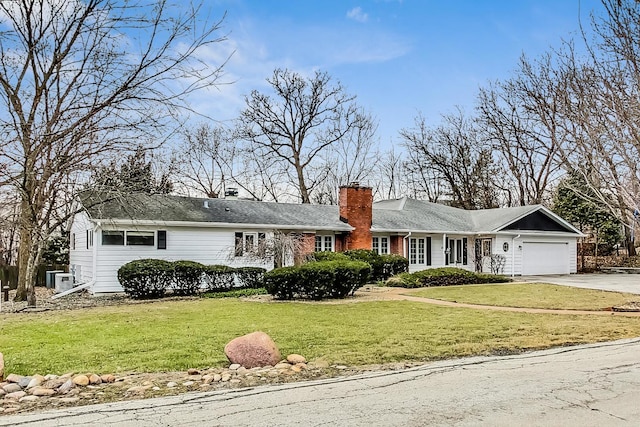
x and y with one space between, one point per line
530 295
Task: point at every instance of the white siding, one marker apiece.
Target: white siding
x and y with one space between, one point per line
438 255
204 245
81 258
514 254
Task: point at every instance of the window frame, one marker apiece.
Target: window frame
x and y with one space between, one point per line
141 237
320 243
380 245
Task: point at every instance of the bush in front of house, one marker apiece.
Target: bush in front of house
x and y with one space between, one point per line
328 256
220 278
250 277
187 277
444 276
146 278
393 265
235 293
317 280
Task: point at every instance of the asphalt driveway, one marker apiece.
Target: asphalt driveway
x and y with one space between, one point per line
607 282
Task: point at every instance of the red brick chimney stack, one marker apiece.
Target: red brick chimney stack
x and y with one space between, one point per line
356 209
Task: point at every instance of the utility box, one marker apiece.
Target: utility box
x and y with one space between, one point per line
50 278
64 282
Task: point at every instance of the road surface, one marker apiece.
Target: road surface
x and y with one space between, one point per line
593 385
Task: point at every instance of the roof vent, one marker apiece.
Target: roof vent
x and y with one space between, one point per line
231 193
206 204
354 184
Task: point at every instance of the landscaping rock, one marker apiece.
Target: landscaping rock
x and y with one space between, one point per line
16 395
1 367
217 377
13 378
295 359
11 388
41 391
252 350
24 381
193 371
172 384
108 378
35 382
234 366
66 387
28 399
95 379
69 399
282 366
81 380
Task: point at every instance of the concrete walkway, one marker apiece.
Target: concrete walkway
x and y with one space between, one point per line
591 385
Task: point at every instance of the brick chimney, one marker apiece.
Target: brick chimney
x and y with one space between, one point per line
356 204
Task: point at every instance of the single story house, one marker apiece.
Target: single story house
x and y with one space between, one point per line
528 240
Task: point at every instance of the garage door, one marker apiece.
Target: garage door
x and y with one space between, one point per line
545 258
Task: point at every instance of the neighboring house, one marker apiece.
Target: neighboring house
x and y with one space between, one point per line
525 240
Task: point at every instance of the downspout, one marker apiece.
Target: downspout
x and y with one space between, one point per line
444 250
406 245
513 255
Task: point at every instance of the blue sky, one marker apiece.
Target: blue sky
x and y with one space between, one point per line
400 57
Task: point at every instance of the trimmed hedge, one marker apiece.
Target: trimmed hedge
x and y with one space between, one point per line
317 280
146 278
187 277
382 266
444 276
219 278
250 277
150 278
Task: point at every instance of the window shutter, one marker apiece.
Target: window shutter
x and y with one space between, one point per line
162 239
428 250
464 251
87 239
446 246
261 238
239 245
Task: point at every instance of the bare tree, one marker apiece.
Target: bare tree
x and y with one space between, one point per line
390 175
602 110
78 80
206 159
349 159
520 118
452 155
302 118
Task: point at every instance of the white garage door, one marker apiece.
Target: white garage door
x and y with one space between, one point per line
545 258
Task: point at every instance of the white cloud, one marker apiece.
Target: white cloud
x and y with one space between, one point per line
357 14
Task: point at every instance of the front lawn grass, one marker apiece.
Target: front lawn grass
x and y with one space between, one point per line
531 295
176 335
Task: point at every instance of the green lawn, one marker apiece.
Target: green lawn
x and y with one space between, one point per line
176 335
532 295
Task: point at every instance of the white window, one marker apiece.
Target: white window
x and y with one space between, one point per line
420 250
457 251
380 245
324 243
140 238
247 242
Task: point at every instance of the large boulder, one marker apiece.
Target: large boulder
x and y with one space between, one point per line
253 350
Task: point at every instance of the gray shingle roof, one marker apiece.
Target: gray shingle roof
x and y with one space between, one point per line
388 215
142 207
418 215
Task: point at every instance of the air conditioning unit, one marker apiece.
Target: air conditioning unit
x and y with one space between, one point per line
64 282
50 278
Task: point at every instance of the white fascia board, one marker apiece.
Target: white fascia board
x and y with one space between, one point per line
220 225
416 231
536 233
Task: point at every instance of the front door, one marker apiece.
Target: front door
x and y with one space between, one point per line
485 255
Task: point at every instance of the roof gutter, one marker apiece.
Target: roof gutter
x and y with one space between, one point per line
224 225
